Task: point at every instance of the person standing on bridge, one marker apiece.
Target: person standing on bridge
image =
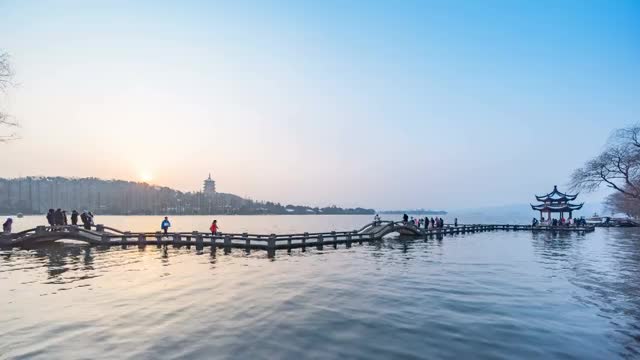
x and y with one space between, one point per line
455 222
57 217
86 222
64 217
90 217
165 225
51 218
6 227
405 218
214 228
74 217
376 220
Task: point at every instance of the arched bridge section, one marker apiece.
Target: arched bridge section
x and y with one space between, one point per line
44 234
380 229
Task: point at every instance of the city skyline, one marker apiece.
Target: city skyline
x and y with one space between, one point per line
434 105
34 195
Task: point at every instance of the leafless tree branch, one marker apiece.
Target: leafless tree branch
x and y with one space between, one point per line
6 74
617 167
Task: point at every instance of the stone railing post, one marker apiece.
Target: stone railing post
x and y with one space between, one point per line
142 241
227 244
199 241
213 243
176 240
247 242
271 246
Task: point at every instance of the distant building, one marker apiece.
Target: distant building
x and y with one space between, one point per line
209 188
556 202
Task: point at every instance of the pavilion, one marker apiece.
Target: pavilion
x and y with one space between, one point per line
556 202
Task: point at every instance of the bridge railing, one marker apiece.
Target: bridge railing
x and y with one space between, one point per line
271 241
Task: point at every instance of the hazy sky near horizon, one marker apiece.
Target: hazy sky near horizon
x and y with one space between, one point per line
435 104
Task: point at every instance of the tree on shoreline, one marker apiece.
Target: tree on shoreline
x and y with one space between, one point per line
5 80
618 168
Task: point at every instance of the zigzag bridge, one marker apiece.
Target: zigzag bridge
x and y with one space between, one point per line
107 236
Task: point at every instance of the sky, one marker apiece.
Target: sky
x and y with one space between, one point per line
384 104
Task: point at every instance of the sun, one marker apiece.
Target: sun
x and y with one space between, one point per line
146 176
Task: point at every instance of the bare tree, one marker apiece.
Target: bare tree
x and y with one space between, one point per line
6 74
617 167
618 202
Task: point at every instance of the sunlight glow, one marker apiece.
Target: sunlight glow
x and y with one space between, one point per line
146 176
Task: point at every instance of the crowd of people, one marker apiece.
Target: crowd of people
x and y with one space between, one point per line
426 223
559 222
58 217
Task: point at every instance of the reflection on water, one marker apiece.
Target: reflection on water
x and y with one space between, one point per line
483 295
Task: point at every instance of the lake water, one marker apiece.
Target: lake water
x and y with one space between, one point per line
493 295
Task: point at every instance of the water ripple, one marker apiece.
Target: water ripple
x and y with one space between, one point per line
487 295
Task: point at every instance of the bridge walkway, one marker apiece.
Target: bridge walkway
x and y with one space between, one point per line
101 235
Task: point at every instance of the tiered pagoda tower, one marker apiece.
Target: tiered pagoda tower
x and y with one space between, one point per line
209 187
556 202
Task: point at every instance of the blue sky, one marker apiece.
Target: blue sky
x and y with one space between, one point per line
441 104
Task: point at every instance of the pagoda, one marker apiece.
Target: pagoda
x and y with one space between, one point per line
556 202
209 187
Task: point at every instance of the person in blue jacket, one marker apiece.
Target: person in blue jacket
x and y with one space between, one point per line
165 224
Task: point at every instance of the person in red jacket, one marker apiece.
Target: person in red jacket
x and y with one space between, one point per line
214 227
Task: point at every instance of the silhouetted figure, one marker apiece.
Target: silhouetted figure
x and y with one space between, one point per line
405 218
455 222
57 217
6 227
64 218
433 223
84 217
74 217
165 225
90 217
51 218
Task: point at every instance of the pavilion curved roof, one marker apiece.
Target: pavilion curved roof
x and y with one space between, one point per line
556 195
557 207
